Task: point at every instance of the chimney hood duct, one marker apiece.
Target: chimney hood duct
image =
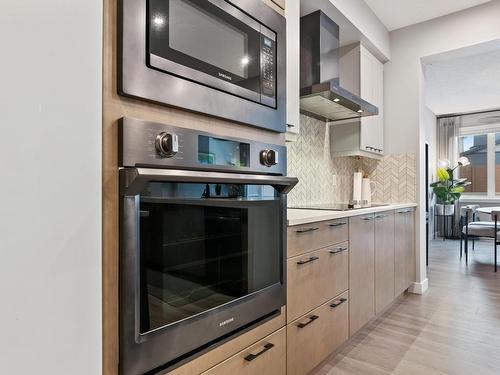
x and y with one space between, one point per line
321 96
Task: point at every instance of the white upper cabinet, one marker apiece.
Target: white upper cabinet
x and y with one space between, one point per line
362 74
292 13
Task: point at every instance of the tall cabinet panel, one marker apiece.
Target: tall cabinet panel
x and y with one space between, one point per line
361 271
292 14
384 260
404 249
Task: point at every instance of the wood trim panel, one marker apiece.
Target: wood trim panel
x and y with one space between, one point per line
115 107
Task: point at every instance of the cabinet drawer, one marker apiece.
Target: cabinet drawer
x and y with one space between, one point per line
316 277
311 338
268 356
304 238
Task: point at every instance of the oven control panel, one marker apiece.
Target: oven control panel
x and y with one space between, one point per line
167 144
150 144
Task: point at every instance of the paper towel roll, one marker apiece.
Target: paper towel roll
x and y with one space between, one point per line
356 187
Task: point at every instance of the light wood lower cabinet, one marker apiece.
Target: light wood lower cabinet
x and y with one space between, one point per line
268 356
361 271
305 238
404 239
384 260
316 277
311 338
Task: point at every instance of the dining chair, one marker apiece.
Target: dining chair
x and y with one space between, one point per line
462 222
476 229
495 215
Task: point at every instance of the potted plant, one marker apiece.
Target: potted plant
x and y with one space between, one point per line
448 189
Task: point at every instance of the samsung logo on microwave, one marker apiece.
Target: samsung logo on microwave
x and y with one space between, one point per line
227 321
225 76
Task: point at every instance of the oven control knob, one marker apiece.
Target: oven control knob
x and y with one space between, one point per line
269 157
167 144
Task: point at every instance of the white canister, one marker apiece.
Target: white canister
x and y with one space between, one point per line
367 190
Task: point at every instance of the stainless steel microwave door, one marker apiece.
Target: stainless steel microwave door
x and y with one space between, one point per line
225 59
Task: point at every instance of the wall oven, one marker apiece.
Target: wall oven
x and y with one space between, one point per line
224 58
202 241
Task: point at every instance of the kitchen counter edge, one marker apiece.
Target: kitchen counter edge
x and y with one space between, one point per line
299 216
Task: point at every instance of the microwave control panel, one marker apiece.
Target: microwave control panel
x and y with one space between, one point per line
268 68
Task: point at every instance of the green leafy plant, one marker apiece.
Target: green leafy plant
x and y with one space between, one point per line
447 189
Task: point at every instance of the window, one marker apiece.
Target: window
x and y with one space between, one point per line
474 147
483 152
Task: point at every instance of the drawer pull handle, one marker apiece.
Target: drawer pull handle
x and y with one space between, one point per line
337 304
404 211
305 230
251 357
311 259
338 250
312 318
381 216
367 218
337 224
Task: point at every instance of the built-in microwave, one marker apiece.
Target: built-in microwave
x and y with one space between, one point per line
222 58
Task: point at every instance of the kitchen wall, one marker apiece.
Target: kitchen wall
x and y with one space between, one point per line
50 158
323 179
404 87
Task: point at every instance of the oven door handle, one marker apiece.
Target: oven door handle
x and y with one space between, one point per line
133 180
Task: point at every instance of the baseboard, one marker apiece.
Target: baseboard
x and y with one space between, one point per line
419 288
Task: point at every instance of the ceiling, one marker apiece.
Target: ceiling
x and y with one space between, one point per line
463 84
395 14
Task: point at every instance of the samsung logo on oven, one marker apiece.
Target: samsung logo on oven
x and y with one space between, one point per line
225 76
227 321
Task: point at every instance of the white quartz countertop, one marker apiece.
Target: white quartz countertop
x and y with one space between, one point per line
300 216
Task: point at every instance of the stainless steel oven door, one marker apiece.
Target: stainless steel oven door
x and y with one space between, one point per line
201 259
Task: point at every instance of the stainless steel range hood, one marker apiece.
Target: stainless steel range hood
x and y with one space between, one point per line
320 93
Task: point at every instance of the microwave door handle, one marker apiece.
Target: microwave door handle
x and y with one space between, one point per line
133 180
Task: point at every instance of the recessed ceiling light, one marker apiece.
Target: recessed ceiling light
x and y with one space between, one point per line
336 100
245 60
360 111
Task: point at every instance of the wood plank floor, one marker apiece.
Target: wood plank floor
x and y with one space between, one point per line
452 329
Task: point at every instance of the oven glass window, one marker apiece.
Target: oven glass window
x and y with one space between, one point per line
205 245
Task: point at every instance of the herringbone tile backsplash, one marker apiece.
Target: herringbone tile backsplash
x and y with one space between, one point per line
323 179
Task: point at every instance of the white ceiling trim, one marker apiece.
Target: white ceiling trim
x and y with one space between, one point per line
396 14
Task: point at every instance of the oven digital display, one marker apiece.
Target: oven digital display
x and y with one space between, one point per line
223 152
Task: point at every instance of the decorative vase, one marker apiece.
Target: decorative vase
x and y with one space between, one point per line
445 209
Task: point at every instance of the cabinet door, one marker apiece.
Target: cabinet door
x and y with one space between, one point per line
404 250
311 338
267 356
372 90
292 14
384 260
361 271
314 278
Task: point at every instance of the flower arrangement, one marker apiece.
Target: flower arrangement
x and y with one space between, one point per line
448 189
